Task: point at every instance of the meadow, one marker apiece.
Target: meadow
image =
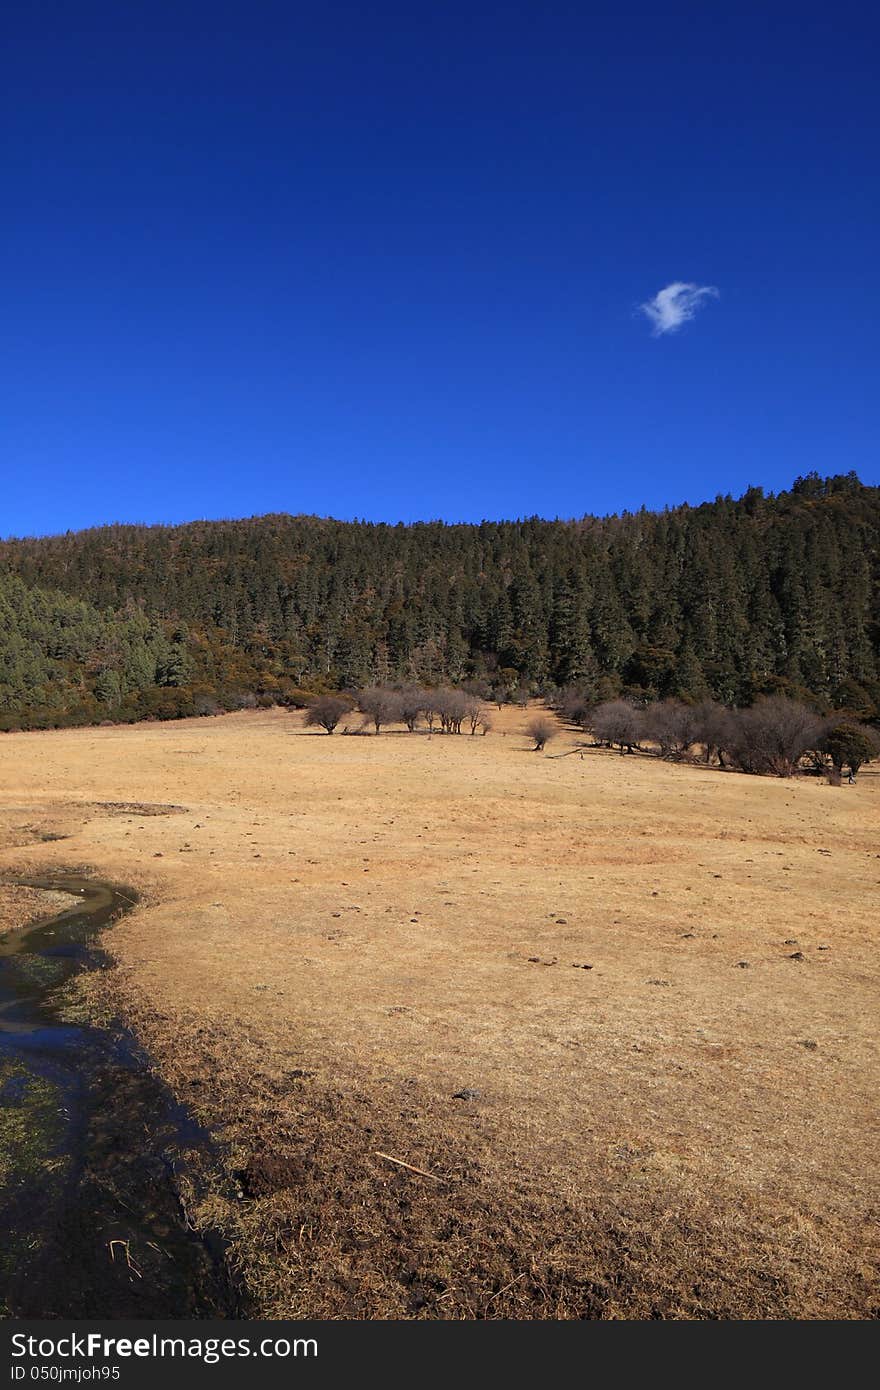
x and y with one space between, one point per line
483 1032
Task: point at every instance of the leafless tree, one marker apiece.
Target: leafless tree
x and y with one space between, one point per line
327 710
672 726
452 707
479 688
713 728
380 704
618 724
773 735
574 707
474 712
541 728
411 705
430 709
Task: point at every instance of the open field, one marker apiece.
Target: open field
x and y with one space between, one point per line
356 946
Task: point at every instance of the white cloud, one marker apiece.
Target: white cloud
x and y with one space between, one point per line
675 305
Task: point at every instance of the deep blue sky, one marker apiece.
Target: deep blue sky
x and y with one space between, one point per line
385 260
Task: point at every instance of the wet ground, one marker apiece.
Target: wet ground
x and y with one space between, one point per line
92 1146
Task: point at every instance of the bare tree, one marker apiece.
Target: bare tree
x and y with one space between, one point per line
486 722
379 704
327 710
451 706
473 712
713 728
479 688
618 724
773 735
541 728
430 709
574 707
672 726
411 705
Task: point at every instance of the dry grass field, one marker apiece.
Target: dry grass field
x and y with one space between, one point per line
621 1013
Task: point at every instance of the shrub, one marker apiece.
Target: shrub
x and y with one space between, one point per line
542 729
327 710
849 744
617 723
672 726
411 705
574 707
473 712
380 704
713 728
774 734
451 707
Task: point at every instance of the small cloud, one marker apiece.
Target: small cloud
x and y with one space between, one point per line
675 305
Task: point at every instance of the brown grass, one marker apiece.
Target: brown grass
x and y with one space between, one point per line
340 934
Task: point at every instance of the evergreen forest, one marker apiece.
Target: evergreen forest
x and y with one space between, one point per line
731 600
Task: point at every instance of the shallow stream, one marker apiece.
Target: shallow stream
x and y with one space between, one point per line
91 1145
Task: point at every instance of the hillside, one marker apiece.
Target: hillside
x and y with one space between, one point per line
731 598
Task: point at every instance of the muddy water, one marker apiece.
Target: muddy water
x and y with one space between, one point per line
91 1146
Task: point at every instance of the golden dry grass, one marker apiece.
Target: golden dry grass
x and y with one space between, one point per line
339 934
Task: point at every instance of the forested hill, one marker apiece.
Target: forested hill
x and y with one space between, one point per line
731 599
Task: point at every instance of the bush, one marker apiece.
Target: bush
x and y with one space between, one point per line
294 697
542 729
451 707
574 707
327 710
672 726
617 723
773 735
713 728
380 704
849 744
411 705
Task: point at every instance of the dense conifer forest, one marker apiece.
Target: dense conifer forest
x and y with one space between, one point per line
730 600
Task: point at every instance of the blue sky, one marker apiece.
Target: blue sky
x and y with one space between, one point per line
387 261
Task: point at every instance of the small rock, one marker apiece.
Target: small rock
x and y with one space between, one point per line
797 955
809 1043
790 941
466 1094
743 965
575 965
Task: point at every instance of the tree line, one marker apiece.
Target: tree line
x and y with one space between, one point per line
774 736
445 709
727 601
